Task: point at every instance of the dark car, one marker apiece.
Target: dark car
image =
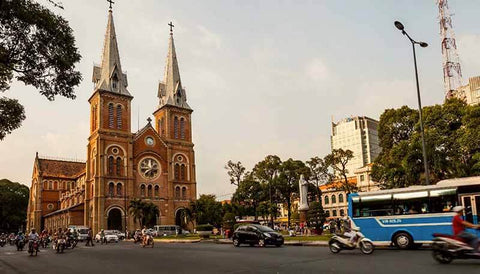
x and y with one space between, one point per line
256 234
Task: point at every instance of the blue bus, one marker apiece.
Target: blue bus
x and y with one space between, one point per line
407 217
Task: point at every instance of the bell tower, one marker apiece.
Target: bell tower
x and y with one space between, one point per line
109 169
174 124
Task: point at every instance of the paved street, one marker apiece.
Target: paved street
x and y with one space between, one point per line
222 258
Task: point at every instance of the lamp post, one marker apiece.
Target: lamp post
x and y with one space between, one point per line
400 26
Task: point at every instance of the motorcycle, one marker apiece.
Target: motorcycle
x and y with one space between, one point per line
148 241
339 242
20 242
59 245
446 248
71 242
33 247
137 238
2 242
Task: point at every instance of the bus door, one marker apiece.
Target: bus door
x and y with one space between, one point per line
472 207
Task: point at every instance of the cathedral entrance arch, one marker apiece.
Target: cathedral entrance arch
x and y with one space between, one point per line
180 217
114 220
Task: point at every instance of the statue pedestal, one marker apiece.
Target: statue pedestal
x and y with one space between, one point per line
303 216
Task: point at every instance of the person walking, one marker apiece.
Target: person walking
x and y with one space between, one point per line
89 237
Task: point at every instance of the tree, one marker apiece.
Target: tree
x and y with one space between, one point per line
150 213
338 160
206 210
136 211
287 181
316 216
452 144
319 174
266 171
250 192
13 205
235 171
37 47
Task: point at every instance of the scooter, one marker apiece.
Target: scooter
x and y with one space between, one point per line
2 242
20 242
59 245
148 241
33 247
448 247
341 242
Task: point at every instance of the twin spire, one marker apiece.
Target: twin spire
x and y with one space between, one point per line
110 77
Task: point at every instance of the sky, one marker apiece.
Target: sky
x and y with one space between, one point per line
263 77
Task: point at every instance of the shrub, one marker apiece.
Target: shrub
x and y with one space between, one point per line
204 227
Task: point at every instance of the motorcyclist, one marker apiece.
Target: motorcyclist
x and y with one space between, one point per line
32 237
347 230
20 240
145 235
459 225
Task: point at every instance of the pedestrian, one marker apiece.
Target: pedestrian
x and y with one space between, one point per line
89 237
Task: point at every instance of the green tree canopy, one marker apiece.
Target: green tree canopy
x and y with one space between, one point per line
206 210
13 205
452 144
37 47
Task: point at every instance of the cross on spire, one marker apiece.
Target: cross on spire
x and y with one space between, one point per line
111 2
171 27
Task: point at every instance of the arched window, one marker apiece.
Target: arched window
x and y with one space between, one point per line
157 190
110 189
176 171
119 189
119 166
326 200
142 190
119 116
182 172
115 81
110 115
342 212
50 185
184 193
182 128
334 213
327 212
334 199
175 127
149 191
177 192
340 198
110 165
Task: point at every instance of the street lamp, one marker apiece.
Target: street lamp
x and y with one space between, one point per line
400 26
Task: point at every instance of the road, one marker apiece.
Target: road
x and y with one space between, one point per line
222 258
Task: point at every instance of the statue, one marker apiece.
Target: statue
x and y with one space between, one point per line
303 190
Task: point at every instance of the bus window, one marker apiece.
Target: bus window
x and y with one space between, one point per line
443 202
411 203
379 205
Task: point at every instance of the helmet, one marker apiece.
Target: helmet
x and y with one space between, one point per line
458 209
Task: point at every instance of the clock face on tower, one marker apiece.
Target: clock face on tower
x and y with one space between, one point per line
149 168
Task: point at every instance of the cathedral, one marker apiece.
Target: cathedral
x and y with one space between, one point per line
155 164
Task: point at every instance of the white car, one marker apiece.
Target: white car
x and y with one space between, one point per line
109 235
121 235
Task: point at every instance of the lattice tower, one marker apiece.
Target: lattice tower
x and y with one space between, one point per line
452 72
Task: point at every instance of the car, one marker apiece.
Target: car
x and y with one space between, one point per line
253 234
152 232
121 235
109 235
81 230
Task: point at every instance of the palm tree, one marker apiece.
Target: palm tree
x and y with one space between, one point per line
136 210
150 212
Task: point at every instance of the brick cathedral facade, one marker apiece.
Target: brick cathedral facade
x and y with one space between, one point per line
156 164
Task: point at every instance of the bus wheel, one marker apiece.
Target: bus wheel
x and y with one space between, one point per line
403 240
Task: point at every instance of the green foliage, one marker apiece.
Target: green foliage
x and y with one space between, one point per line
143 212
229 220
250 192
204 227
338 161
235 171
12 114
452 144
37 47
206 210
13 205
315 215
319 174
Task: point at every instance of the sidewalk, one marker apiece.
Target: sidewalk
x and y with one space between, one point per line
297 243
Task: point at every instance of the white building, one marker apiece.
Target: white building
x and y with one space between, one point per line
469 93
358 134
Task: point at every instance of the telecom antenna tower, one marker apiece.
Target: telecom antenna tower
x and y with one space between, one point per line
452 73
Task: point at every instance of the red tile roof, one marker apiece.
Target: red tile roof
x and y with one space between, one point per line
59 168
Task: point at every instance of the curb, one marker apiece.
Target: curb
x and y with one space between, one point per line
176 241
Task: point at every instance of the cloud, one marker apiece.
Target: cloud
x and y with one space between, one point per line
317 70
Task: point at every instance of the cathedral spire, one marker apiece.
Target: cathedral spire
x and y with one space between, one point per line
109 76
170 91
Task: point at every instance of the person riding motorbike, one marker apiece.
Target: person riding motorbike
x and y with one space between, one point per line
32 238
145 235
20 241
347 230
459 225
